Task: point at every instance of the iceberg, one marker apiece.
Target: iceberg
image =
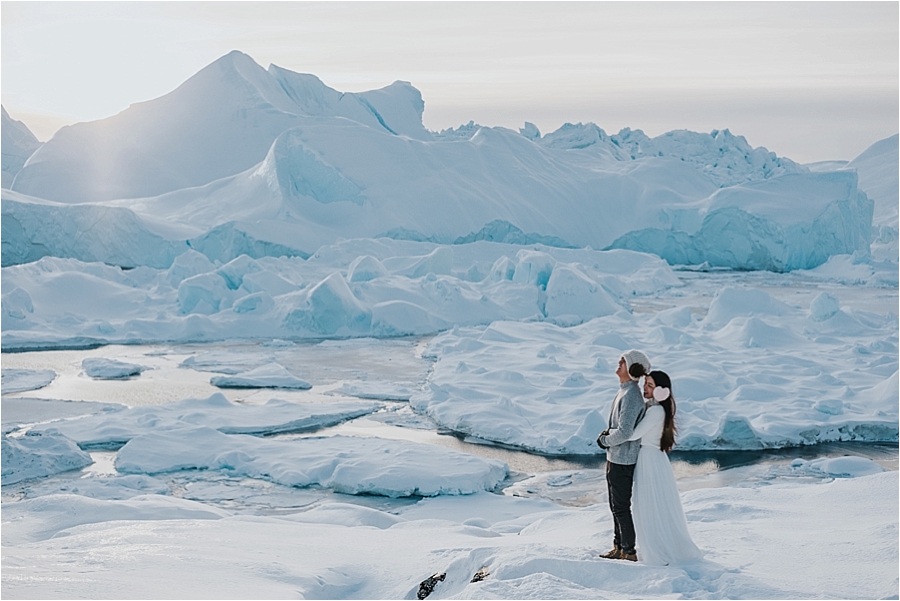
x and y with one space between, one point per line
229 114
275 163
35 228
782 224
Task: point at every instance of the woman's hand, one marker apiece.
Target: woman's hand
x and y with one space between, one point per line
600 444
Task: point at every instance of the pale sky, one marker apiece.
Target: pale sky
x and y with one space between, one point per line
809 80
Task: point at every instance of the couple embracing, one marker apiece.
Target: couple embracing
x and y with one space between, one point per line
639 436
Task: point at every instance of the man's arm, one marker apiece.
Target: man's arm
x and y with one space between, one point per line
631 405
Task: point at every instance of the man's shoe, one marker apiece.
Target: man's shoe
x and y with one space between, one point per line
614 554
627 556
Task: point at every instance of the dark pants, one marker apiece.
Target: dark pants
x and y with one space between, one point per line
619 480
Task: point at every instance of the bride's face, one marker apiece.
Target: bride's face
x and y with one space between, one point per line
649 385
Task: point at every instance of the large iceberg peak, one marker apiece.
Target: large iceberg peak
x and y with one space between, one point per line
219 122
238 80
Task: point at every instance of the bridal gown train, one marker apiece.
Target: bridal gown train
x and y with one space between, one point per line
659 522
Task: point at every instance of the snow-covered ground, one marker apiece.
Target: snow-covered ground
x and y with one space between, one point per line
173 478
832 538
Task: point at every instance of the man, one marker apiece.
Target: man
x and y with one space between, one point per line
621 454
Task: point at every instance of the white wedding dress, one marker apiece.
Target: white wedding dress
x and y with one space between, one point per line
659 523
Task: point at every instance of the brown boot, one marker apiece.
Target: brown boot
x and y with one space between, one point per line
614 554
627 556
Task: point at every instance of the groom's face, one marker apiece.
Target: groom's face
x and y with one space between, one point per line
622 370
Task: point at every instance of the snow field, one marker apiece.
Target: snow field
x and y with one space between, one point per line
827 539
20 380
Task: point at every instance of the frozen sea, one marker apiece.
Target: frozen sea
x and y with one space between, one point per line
535 527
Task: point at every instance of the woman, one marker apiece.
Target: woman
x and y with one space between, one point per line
662 534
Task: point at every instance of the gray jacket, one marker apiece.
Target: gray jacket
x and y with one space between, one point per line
627 411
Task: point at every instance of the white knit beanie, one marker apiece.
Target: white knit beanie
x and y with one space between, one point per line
634 356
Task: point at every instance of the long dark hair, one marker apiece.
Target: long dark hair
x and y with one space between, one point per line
667 440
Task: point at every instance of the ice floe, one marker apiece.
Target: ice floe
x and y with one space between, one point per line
20 380
114 430
271 375
843 467
346 464
19 411
376 390
110 369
